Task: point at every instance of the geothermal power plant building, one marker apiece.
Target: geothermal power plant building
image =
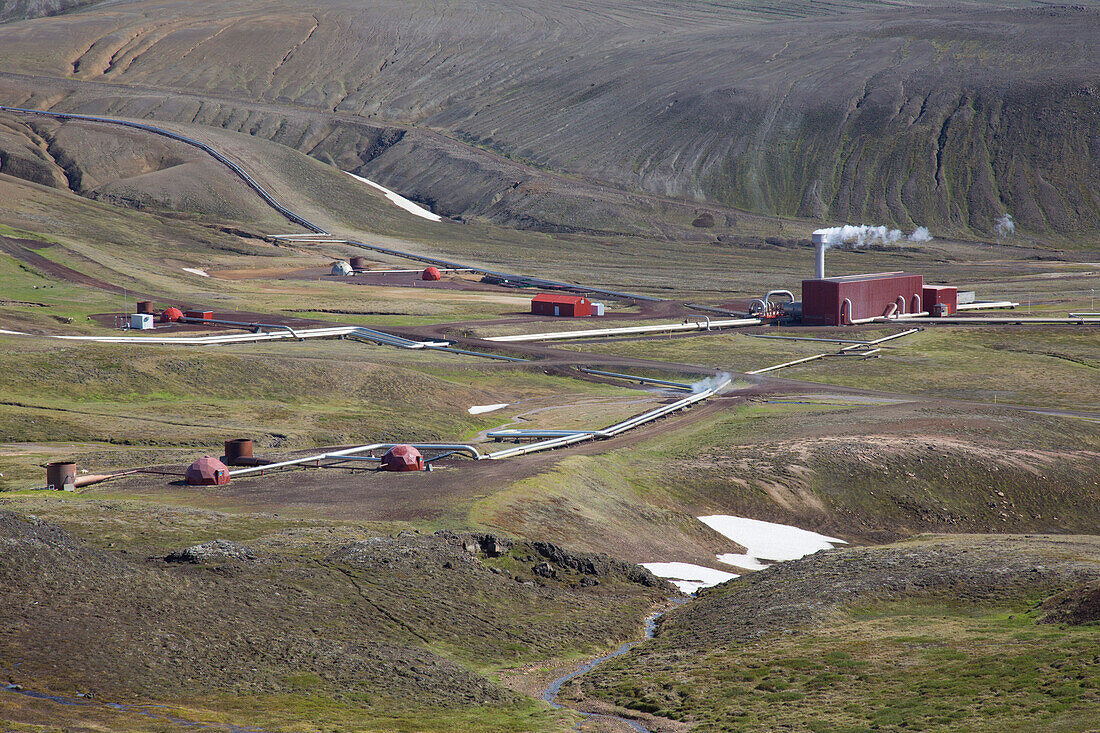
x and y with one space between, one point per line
835 301
838 301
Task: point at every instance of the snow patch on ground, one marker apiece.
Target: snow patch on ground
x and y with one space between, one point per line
478 409
196 271
399 200
687 577
764 541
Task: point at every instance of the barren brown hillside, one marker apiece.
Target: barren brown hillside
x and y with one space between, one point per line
946 116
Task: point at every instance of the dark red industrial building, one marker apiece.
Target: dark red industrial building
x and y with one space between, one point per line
402 458
835 301
941 300
202 315
554 304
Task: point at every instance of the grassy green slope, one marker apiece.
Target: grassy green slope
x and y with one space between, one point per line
936 634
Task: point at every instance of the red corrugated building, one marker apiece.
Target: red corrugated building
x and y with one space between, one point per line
834 301
941 300
555 304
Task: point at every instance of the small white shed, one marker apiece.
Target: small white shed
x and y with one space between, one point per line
341 269
141 321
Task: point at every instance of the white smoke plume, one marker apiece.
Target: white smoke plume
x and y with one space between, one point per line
864 235
1004 227
710 382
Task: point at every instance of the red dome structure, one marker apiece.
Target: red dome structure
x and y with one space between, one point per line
171 315
207 471
431 273
402 458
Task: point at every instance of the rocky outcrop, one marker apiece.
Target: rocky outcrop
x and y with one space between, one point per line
217 551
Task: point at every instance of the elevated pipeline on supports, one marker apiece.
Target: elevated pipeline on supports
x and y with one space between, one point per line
553 439
629 330
856 349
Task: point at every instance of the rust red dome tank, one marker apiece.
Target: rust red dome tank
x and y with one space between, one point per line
171 315
431 273
207 471
402 458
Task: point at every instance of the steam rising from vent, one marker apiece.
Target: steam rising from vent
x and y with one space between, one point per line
859 237
920 234
710 382
1004 227
864 235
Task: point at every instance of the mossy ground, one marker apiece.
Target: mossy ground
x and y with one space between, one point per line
915 664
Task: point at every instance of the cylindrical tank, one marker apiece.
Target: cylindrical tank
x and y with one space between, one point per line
358 263
238 452
60 473
144 306
237 448
171 315
431 273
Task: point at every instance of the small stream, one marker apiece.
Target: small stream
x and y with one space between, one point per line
551 693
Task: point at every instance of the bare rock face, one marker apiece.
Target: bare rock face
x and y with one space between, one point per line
545 570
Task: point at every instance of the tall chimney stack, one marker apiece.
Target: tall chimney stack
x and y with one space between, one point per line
819 254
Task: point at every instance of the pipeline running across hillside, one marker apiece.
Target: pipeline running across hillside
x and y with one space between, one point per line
567 437
316 229
858 348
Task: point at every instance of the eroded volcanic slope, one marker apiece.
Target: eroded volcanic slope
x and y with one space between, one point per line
945 115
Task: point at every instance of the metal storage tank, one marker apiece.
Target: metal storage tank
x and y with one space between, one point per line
941 300
60 474
431 273
834 301
238 452
144 306
554 304
207 471
341 269
237 449
141 321
171 315
402 458
358 263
